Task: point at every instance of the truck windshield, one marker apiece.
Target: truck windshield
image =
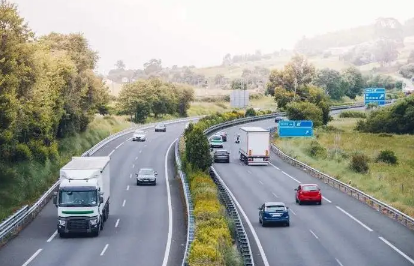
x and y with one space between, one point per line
85 198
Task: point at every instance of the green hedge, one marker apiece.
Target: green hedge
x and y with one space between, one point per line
213 243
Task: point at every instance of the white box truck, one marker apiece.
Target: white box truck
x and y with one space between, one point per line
82 199
254 145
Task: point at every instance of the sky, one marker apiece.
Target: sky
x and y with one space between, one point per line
200 33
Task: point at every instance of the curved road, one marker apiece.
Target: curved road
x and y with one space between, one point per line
340 232
139 226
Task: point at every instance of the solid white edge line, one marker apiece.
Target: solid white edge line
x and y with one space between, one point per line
123 203
291 177
313 234
256 238
53 236
104 249
355 219
119 145
170 220
110 154
326 199
32 257
339 262
396 249
117 223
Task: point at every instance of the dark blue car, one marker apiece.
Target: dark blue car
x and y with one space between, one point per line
274 212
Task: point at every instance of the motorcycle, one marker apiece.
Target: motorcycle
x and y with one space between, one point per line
237 140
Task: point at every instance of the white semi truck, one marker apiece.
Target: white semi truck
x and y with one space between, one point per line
82 199
254 145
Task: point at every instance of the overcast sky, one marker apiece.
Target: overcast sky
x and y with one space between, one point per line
196 32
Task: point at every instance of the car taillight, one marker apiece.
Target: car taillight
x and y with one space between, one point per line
266 159
250 159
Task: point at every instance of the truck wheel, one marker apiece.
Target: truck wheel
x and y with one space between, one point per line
62 235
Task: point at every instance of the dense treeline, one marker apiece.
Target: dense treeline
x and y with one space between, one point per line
154 97
48 90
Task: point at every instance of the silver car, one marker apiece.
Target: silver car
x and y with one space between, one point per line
160 127
139 135
146 176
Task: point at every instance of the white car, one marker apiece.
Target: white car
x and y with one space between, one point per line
139 135
146 176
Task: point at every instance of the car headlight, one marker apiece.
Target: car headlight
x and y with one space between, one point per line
93 221
62 222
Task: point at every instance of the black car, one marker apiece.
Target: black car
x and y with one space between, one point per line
221 156
223 135
278 119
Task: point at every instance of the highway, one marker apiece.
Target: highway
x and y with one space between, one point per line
340 232
146 224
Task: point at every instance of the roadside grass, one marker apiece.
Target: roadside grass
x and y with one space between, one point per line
391 184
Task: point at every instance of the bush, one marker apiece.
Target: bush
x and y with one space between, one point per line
359 163
305 111
352 114
250 112
316 150
387 156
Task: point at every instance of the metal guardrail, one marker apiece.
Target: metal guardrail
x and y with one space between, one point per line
189 204
380 206
16 222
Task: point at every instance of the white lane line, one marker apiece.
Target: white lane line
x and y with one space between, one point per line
53 236
128 187
117 223
249 172
119 145
133 166
326 199
130 175
355 219
140 151
396 249
110 154
170 220
32 257
313 234
275 195
274 166
252 230
136 158
104 249
129 139
286 174
340 264
123 203
294 213
260 182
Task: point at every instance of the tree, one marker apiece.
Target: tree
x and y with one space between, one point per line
120 65
331 81
354 80
304 111
153 66
389 29
198 149
238 84
385 51
411 57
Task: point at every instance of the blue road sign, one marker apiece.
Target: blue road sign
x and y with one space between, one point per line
374 95
295 128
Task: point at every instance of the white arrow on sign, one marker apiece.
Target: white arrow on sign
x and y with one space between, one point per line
382 96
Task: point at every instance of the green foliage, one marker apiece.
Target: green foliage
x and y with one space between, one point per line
331 81
316 150
305 111
397 118
352 114
387 156
359 163
197 151
250 112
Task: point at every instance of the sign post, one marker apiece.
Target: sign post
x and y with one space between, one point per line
295 128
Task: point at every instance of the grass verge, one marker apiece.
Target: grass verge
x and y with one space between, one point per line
334 146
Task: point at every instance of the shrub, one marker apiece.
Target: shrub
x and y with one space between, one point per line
250 112
359 163
22 153
352 114
305 111
316 150
387 156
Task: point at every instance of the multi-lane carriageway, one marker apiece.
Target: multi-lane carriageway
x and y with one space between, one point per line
147 227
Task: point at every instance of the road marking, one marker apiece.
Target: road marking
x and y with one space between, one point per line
133 166
291 177
32 257
53 236
275 195
326 199
128 187
256 238
136 158
249 172
292 211
170 221
313 234
111 153
129 139
260 182
339 262
130 175
119 145
274 166
117 223
140 151
123 203
355 219
104 249
396 249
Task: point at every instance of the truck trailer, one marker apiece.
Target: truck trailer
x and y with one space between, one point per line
254 145
82 199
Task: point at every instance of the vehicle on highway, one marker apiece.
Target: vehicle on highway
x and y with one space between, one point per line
254 145
146 176
223 135
82 199
216 141
308 193
237 139
221 156
139 135
160 128
278 119
274 212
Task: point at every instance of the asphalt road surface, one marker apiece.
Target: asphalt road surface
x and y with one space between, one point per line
340 232
146 224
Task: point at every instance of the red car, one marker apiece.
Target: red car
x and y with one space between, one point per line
308 193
